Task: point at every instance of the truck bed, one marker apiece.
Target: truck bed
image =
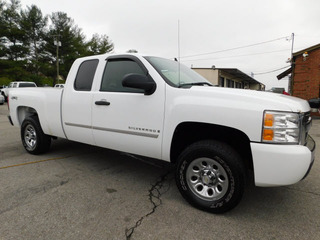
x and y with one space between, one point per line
46 102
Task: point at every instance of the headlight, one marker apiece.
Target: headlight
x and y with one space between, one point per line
281 127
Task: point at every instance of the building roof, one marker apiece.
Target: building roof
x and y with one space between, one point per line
237 73
309 49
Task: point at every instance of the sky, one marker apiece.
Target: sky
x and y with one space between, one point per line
254 36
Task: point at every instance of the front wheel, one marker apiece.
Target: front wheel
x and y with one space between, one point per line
210 175
32 136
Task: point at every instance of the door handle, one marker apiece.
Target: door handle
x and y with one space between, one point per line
102 103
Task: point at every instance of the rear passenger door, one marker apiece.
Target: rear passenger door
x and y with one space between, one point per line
77 99
129 121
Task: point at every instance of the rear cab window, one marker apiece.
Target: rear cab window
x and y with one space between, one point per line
85 75
27 85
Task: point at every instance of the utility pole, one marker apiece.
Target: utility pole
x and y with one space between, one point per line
290 83
58 44
292 38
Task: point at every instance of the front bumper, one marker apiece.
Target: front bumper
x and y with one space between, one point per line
279 165
312 147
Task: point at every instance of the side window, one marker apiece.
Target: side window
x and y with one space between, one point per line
114 72
14 85
85 75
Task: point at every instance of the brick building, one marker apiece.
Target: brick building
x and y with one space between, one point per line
305 73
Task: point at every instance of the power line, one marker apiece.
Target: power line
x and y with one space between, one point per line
275 70
235 48
244 55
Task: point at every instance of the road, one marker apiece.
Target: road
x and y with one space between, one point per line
78 191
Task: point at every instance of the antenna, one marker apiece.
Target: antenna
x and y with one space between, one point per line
179 49
179 40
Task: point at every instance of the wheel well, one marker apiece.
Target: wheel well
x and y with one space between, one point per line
24 112
189 132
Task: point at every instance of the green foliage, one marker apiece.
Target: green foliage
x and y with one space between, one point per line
11 34
27 49
99 44
5 81
34 26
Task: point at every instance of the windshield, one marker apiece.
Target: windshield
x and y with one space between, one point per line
175 75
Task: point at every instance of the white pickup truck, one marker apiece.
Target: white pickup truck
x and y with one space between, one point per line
158 108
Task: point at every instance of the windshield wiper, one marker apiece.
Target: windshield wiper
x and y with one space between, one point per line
195 84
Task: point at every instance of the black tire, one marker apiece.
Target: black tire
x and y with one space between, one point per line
32 136
5 98
210 175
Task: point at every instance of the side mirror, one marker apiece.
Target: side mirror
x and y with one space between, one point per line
139 81
314 103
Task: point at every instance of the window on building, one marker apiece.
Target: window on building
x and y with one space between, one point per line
85 75
238 85
230 83
221 81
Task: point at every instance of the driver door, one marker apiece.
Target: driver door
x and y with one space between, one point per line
123 118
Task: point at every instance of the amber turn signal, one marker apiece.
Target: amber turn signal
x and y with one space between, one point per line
268 120
268 134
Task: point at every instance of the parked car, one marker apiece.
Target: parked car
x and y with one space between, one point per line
5 91
2 88
314 104
161 109
59 86
1 99
278 90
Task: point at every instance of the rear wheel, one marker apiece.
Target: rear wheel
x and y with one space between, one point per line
32 136
210 176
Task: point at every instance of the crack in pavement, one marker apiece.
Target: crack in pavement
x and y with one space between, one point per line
155 194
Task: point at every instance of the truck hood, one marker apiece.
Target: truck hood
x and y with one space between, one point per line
261 99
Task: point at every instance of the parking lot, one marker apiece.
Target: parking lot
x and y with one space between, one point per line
78 191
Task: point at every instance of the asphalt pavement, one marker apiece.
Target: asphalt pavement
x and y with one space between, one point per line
77 191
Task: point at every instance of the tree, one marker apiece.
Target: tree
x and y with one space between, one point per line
2 28
99 45
12 35
72 41
34 25
27 50
12 48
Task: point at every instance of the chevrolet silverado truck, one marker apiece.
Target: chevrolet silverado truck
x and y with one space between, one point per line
159 109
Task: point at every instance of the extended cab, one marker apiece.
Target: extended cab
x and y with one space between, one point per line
158 108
